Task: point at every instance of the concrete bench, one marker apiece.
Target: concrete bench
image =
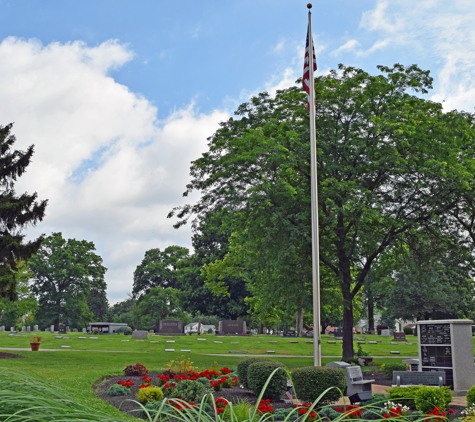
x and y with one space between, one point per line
430 378
358 389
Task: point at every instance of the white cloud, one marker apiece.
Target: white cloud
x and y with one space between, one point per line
378 45
439 32
348 46
110 170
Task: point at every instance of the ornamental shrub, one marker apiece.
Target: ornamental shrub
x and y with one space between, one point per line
328 413
259 372
429 397
189 390
311 381
242 370
371 414
138 370
149 394
404 395
282 414
204 381
471 396
407 330
124 330
118 390
390 367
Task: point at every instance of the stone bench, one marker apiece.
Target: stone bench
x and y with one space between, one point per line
358 389
430 378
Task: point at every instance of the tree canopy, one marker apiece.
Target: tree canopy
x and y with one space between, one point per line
65 272
389 163
16 212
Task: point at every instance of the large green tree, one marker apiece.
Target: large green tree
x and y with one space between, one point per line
16 212
65 272
389 162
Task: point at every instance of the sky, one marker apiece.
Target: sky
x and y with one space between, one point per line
119 97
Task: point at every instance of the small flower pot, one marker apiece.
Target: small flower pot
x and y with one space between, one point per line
35 346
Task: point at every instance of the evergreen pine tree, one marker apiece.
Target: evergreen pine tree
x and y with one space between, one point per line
16 212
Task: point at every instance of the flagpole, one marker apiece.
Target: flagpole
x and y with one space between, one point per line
317 358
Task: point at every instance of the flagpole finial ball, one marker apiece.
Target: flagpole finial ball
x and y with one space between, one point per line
309 5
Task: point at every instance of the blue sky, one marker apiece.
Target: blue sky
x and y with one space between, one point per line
119 96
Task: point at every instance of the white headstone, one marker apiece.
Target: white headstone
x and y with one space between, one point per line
84 330
35 327
23 329
2 328
51 328
12 329
28 329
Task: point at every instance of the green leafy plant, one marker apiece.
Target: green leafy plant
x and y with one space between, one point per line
149 394
190 391
390 367
259 374
471 396
36 339
404 395
310 382
118 390
242 370
136 369
407 330
428 398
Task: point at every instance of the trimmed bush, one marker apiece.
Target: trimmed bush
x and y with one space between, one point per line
259 372
404 395
429 397
282 414
311 381
471 396
407 330
149 394
328 413
390 367
242 370
137 370
189 390
118 390
124 330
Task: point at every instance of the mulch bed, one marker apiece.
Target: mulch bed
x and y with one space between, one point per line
9 356
234 394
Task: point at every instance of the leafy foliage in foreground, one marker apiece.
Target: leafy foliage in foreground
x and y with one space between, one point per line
23 398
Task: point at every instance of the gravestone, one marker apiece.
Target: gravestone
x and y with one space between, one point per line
338 333
232 327
290 333
84 330
170 326
399 336
12 329
2 328
28 329
51 328
387 332
139 334
62 329
35 327
23 329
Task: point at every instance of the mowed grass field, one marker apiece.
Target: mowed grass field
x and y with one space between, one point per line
74 369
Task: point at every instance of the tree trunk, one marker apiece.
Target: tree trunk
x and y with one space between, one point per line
370 313
299 321
348 351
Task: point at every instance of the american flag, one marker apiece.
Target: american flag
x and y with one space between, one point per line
306 69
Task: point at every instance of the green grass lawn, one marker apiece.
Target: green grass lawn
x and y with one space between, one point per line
75 369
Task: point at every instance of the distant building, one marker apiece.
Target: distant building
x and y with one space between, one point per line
105 327
194 327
